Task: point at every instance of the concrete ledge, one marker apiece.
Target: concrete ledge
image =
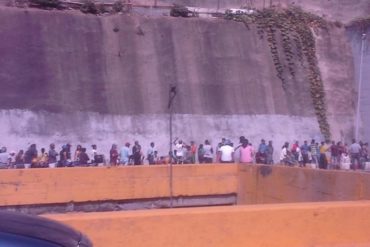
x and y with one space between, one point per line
64 185
280 225
122 205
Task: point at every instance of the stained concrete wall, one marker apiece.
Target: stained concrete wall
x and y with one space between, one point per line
336 64
308 224
361 50
69 77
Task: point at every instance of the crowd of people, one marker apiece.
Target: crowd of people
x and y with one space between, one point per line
327 155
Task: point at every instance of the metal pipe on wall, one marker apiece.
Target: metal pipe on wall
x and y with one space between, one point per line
172 95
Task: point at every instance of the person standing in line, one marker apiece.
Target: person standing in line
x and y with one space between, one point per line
335 156
324 155
193 151
113 155
4 158
52 155
76 157
227 152
218 152
201 154
261 156
314 153
30 157
270 153
94 154
12 156
42 159
305 149
364 155
246 153
354 151
63 160
69 155
180 151
151 154
284 154
125 154
345 161
137 154
84 157
295 150
19 159
208 152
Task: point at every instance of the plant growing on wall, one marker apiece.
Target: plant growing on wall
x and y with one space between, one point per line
292 30
118 6
179 11
89 7
121 6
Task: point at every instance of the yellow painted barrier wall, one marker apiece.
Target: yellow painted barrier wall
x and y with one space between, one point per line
253 184
280 184
61 185
287 225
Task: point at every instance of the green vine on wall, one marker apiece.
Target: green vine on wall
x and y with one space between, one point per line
297 41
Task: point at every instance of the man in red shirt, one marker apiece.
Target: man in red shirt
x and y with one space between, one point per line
193 150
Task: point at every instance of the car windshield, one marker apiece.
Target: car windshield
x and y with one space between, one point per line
13 240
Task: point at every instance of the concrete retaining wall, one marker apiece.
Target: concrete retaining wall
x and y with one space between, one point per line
50 186
73 78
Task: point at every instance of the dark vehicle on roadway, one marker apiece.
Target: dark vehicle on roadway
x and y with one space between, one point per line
20 230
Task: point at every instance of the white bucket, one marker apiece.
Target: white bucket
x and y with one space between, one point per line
312 165
27 166
367 166
52 165
345 166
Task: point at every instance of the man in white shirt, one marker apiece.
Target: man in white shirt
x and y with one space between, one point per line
227 153
4 158
355 149
179 147
151 154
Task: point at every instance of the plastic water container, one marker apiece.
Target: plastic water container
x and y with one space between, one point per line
52 165
345 166
27 166
367 166
312 165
